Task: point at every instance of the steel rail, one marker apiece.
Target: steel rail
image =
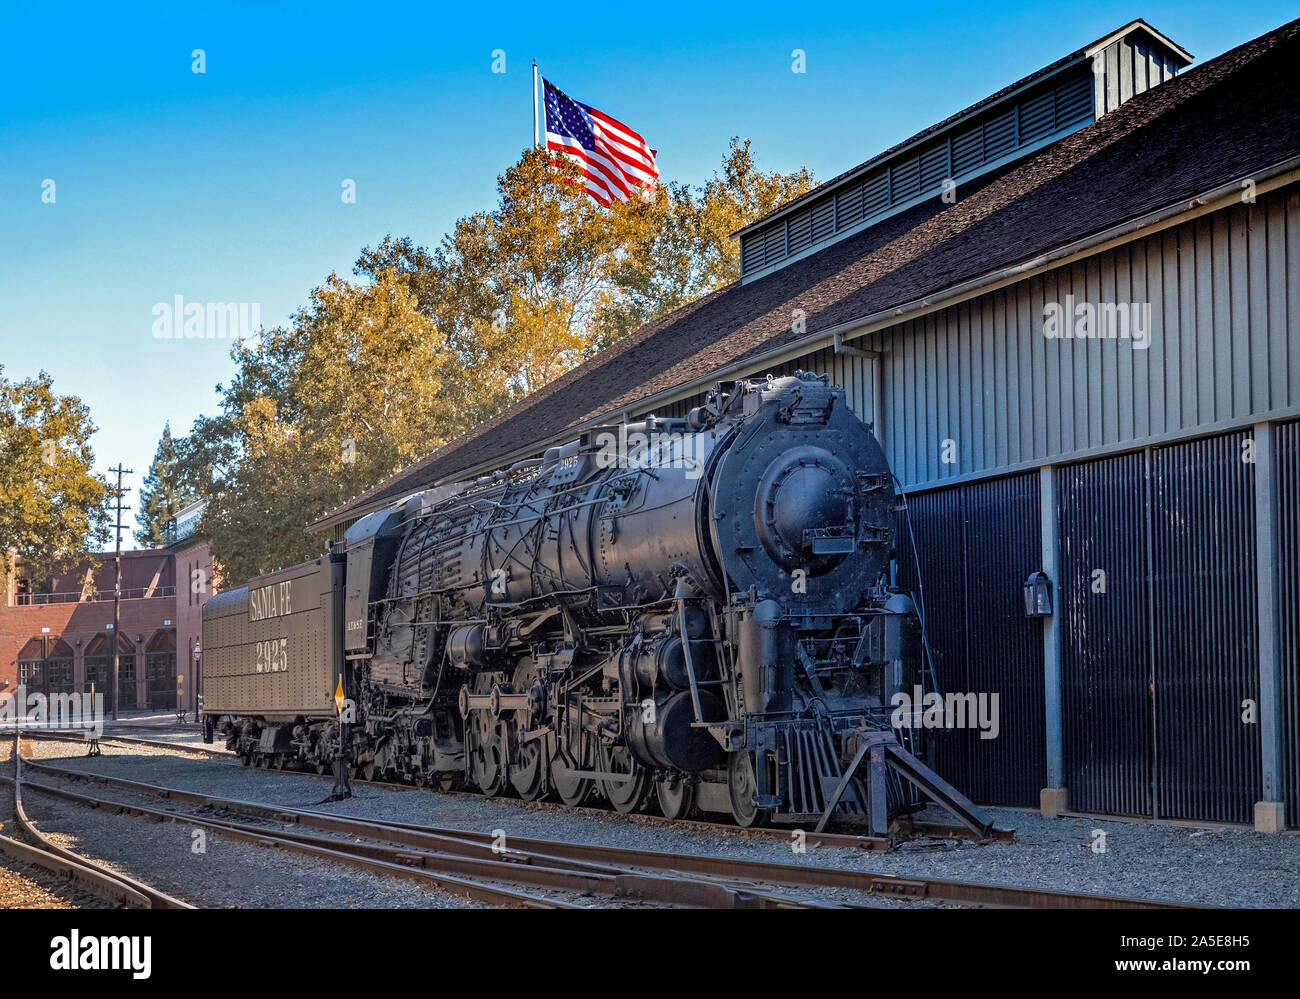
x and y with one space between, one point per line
93 877
727 871
874 844
332 849
938 830
85 877
444 860
734 870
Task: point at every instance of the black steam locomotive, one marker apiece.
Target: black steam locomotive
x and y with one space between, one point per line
694 612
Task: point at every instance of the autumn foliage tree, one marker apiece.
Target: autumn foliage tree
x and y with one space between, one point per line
51 502
688 252
377 371
357 386
517 292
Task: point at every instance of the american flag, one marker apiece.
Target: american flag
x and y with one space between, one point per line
615 161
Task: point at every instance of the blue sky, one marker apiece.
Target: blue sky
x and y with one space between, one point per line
225 186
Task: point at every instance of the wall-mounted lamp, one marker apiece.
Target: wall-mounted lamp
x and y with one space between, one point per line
1038 595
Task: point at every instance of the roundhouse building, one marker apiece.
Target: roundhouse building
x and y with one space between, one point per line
57 638
56 634
1072 313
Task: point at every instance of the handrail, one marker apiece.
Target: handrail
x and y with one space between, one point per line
74 597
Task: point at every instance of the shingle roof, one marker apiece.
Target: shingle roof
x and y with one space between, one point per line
1206 127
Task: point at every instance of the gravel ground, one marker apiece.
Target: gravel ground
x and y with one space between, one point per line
1212 865
161 729
228 874
23 886
147 800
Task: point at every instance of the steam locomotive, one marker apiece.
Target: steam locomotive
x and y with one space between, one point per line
694 613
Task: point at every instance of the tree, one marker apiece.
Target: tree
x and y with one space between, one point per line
688 252
165 490
375 373
548 278
358 386
516 291
52 509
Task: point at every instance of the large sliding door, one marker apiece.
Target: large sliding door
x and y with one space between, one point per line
1160 664
975 544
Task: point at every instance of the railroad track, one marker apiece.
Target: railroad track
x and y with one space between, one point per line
444 859
94 878
644 874
811 839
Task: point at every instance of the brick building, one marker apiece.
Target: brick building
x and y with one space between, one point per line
56 636
195 582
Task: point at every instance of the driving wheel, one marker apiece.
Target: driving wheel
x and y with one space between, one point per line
741 788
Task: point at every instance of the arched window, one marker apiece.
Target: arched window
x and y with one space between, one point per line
58 668
45 665
31 664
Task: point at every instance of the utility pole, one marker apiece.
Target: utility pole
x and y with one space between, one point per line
117 583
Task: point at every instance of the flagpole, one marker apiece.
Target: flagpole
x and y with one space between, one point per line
536 128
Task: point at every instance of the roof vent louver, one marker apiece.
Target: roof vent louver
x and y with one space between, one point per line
1015 122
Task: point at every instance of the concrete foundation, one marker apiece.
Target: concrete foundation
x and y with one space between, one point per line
1052 802
1270 816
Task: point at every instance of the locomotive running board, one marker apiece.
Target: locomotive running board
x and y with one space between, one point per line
885 752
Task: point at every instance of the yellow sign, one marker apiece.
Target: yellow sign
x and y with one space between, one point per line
338 696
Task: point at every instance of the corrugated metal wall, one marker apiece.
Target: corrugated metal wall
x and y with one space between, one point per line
937 523
1205 644
1287 446
1161 651
1106 673
976 544
1004 649
1224 293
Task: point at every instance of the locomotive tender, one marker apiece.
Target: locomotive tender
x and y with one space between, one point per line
691 611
